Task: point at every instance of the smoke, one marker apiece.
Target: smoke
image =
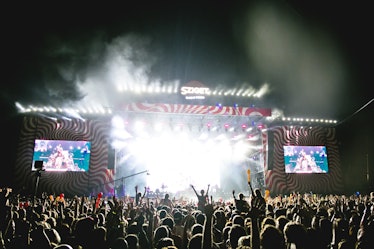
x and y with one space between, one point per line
304 71
300 61
125 63
89 71
98 73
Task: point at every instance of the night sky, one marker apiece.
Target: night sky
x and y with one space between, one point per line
314 57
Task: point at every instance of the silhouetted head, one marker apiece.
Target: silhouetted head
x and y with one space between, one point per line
271 237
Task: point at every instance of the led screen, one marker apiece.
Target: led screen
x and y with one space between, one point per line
61 155
305 159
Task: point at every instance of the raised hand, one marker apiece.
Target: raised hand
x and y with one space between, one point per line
209 210
257 207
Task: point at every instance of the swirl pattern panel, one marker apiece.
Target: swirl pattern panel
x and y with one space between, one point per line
197 109
279 182
97 178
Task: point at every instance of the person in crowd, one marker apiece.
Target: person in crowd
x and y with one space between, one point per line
166 202
271 237
261 201
240 203
138 196
177 239
236 231
4 208
330 221
296 235
202 198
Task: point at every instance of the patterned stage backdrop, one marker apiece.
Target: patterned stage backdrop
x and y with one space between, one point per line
98 179
101 179
278 182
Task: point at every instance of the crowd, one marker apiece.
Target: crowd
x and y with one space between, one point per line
258 221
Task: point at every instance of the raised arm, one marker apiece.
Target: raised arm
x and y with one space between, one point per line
141 198
137 197
194 190
207 190
207 242
254 214
233 194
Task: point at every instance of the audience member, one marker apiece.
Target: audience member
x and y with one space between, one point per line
295 221
202 198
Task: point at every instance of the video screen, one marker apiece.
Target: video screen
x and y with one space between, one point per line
305 159
61 155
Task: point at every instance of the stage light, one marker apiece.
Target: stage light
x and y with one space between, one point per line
158 127
117 122
179 127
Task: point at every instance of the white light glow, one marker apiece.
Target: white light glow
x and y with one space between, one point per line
175 160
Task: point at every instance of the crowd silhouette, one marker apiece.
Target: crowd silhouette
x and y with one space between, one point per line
257 221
